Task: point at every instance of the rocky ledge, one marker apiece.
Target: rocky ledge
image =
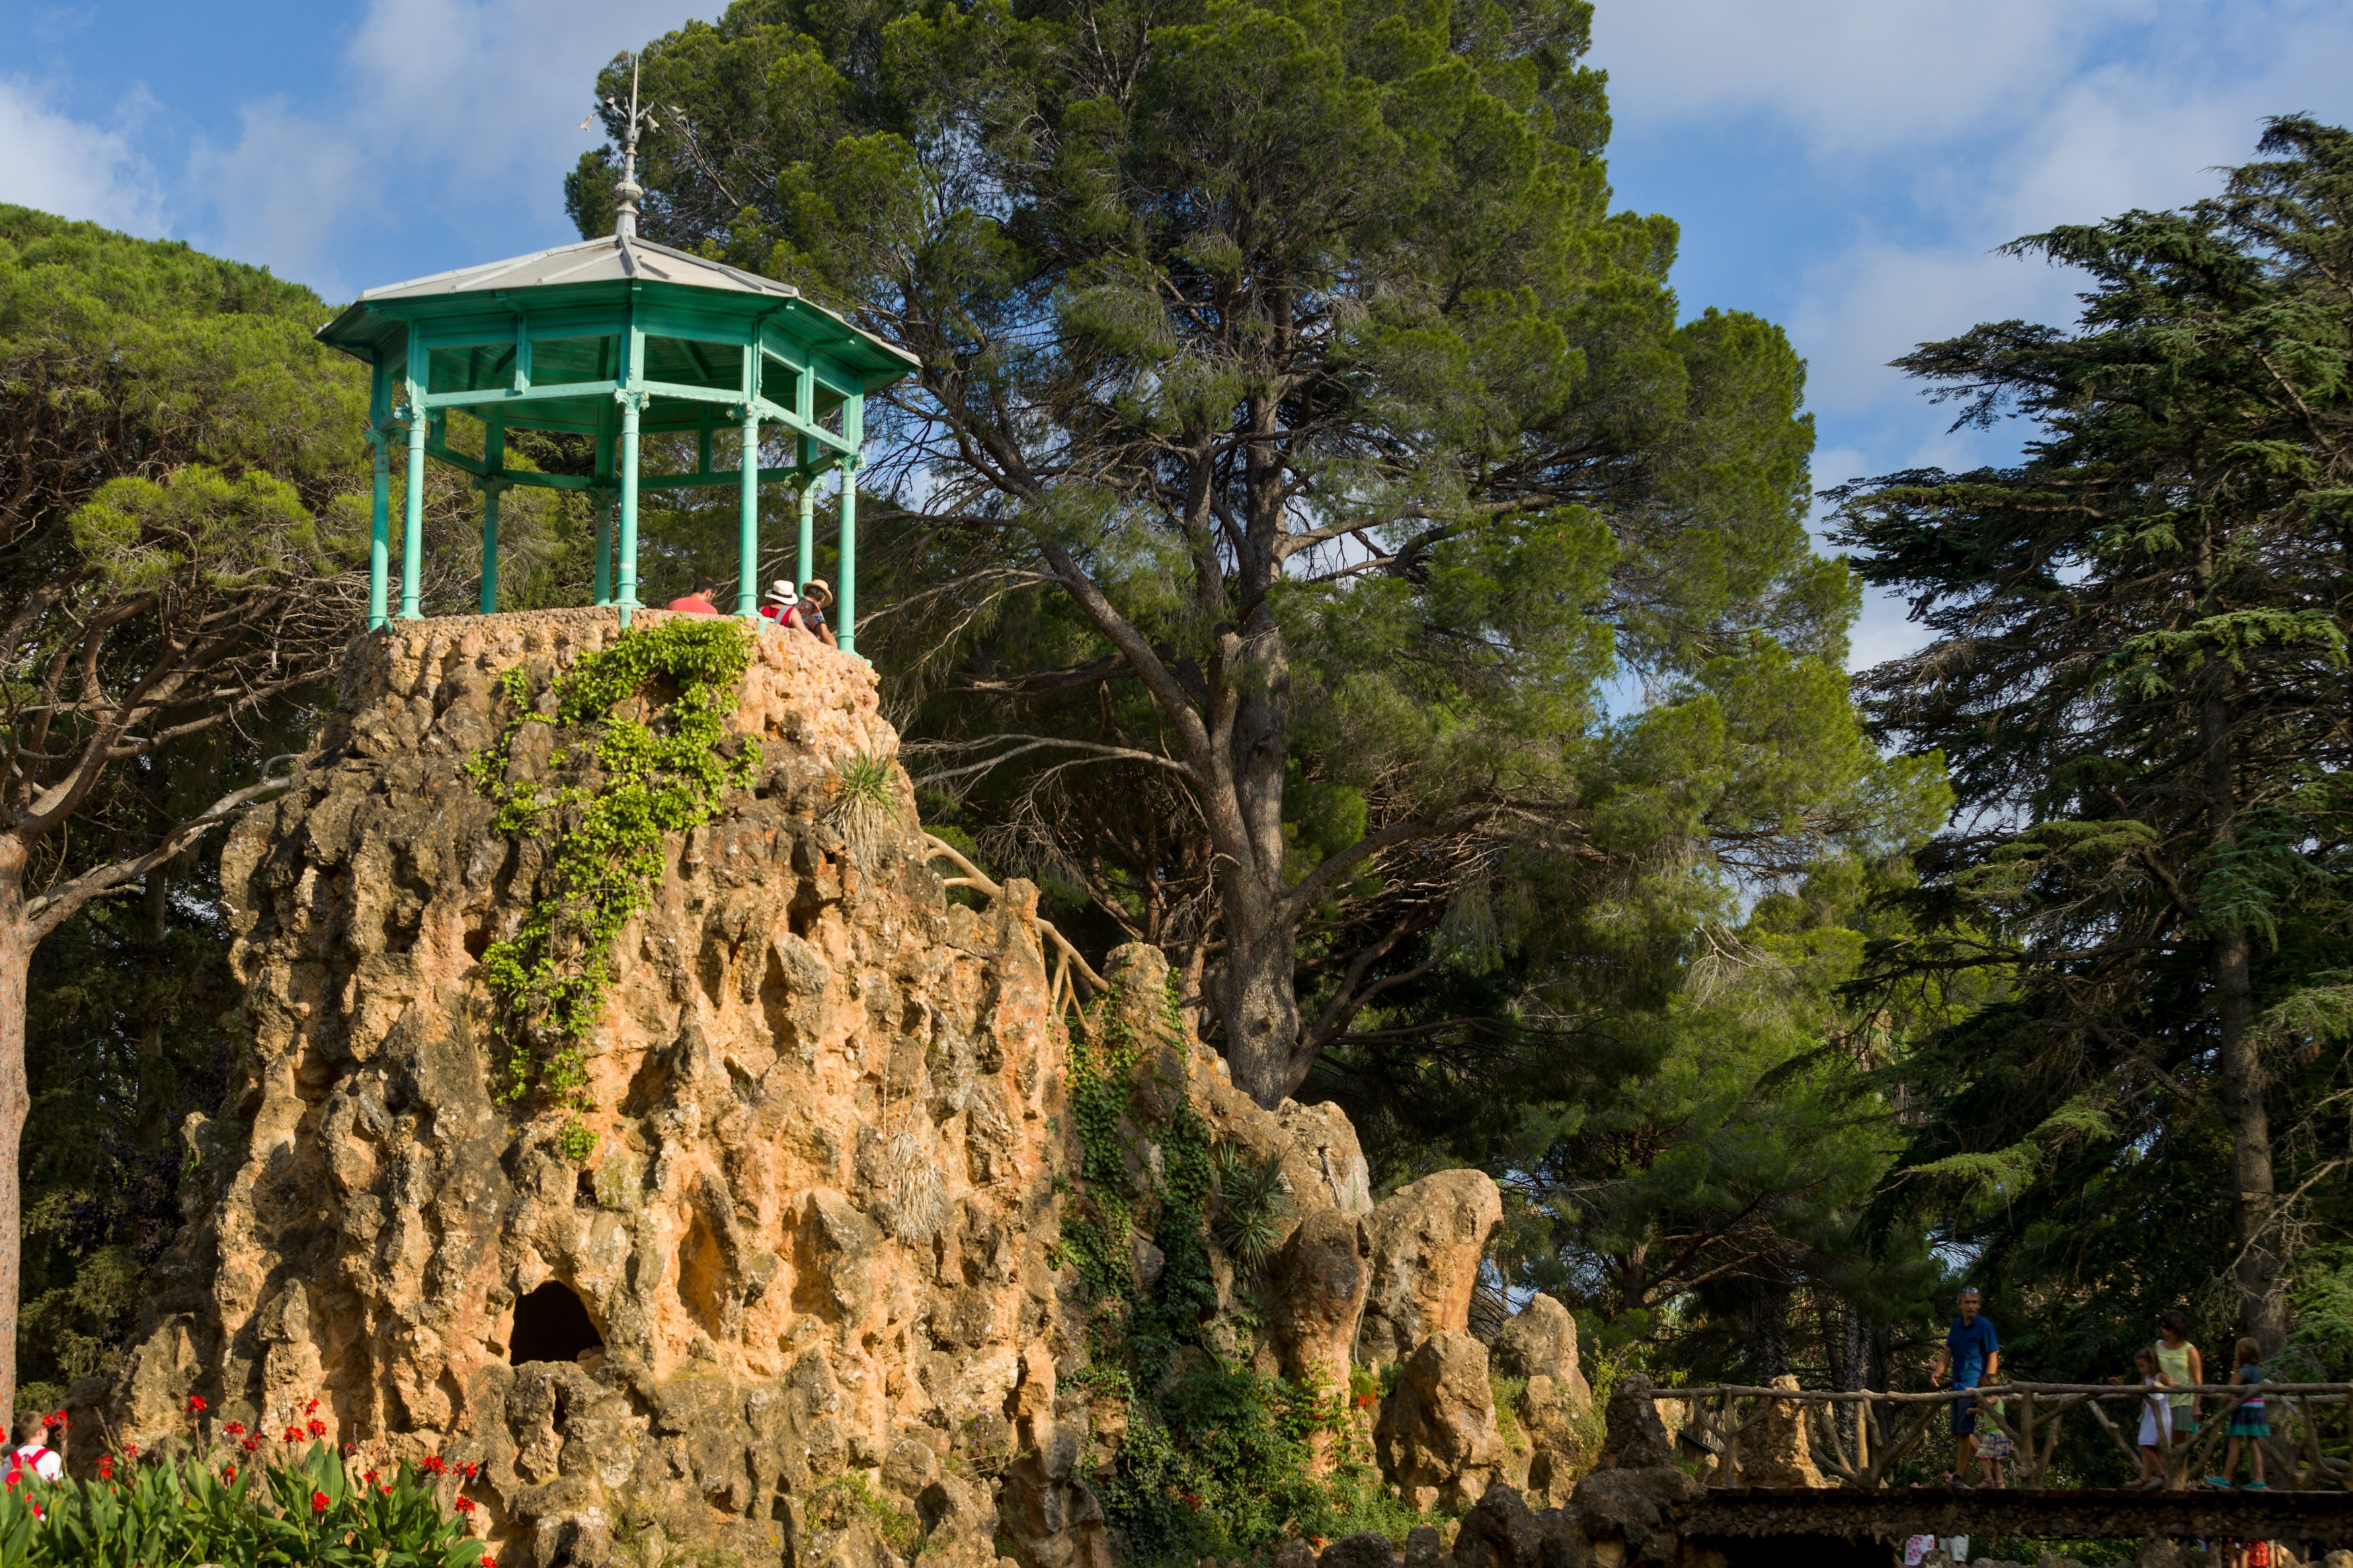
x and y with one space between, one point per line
811 1256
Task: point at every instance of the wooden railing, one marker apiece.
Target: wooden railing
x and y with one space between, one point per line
1070 968
1859 1437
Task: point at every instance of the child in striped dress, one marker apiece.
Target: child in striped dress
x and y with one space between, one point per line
2248 1423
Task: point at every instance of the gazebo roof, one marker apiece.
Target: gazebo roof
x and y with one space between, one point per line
614 338
602 259
605 267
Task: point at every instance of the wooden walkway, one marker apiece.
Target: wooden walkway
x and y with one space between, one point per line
1873 1440
2322 1517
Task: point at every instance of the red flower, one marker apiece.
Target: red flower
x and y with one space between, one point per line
106 1467
54 1421
387 1490
368 1475
318 1502
294 1434
235 1428
490 1562
318 1428
434 1465
465 1505
229 1472
131 1450
469 1472
195 1404
250 1444
312 1408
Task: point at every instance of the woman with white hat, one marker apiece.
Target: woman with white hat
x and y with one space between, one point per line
784 606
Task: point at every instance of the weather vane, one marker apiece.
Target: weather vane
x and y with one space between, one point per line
625 220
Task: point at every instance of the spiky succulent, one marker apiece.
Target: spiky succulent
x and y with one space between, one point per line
1253 1200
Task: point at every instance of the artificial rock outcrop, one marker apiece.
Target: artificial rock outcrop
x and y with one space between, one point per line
809 1262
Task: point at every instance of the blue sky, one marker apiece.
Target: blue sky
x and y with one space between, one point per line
1843 167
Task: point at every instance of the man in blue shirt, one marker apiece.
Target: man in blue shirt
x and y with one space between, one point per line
1972 1354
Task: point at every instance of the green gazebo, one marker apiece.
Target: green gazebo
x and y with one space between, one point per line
612 338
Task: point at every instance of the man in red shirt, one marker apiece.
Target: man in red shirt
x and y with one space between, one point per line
699 602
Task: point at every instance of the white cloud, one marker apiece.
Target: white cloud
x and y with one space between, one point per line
282 192
447 107
1850 74
71 167
493 90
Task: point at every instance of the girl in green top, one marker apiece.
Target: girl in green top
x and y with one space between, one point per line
2178 1359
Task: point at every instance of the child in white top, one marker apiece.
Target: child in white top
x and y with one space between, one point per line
2155 1422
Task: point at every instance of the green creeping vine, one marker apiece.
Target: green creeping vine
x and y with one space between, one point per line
1218 1459
665 773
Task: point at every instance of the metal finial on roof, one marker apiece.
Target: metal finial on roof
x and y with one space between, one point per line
625 217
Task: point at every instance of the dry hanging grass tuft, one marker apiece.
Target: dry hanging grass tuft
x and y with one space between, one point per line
916 1200
865 806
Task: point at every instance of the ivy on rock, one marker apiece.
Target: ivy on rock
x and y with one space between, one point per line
638 777
1219 1458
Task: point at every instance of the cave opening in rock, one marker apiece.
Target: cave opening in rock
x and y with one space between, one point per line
551 1324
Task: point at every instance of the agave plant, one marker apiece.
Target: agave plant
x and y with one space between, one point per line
865 806
1253 1200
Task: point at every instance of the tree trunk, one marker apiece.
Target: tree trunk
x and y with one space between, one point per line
2263 1308
154 1085
16 1101
1260 1001
1261 991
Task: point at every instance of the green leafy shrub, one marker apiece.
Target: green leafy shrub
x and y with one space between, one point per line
1219 1460
1509 1395
646 778
847 1498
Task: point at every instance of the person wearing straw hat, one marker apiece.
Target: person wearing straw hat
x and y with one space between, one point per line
784 606
816 594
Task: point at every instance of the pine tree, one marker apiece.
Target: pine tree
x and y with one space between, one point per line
1301 442
2137 675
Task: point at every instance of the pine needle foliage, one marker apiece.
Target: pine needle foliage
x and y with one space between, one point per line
636 777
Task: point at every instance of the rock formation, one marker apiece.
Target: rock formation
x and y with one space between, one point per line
1538 1345
801 1297
1437 1438
1776 1449
1427 1243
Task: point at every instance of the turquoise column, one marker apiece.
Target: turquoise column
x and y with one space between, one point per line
747 537
846 591
494 456
492 488
805 563
604 502
412 521
627 595
380 528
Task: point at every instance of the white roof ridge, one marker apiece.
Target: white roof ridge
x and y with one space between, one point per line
485 269
750 279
